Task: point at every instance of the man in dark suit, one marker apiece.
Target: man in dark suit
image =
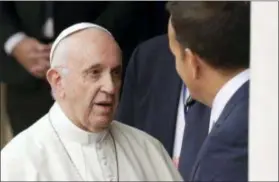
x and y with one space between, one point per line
210 41
154 100
27 30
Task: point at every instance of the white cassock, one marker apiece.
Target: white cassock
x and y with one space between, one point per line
55 149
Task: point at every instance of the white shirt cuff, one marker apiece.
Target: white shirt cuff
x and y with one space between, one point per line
13 41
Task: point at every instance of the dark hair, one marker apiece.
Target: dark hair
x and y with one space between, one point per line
219 32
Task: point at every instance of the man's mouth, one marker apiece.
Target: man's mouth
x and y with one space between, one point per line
106 107
104 104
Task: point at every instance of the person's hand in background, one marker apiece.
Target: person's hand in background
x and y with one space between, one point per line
33 56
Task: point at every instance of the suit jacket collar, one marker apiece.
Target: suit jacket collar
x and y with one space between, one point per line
225 94
242 95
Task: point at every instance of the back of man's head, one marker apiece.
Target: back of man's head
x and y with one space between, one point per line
218 32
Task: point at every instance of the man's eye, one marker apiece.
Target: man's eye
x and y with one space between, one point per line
117 73
95 73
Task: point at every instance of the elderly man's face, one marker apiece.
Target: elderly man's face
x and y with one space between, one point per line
91 87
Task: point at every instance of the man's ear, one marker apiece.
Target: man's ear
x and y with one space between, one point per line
55 80
193 63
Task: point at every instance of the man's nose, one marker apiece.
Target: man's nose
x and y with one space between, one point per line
108 85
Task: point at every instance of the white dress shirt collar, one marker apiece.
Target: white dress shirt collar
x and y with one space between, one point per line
69 131
225 94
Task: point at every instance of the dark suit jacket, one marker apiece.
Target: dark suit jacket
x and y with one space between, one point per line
129 22
151 91
224 154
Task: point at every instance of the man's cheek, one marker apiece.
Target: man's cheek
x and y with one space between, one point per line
118 86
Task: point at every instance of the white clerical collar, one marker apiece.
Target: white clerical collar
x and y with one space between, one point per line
225 94
67 130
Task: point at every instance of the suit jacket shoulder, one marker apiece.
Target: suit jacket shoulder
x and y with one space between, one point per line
224 154
151 52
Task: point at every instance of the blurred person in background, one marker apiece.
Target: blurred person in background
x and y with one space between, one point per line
155 100
211 43
28 29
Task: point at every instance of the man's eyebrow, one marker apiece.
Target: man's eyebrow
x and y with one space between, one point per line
94 66
118 67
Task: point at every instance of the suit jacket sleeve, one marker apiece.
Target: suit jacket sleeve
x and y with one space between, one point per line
125 112
8 21
119 16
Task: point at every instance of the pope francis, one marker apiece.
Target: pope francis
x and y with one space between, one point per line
77 140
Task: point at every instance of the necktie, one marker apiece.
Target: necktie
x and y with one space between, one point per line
189 103
196 130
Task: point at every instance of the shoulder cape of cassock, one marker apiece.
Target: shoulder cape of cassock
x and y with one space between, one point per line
36 154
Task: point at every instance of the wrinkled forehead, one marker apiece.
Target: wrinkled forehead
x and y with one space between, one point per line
86 50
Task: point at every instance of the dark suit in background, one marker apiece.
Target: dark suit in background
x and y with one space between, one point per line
151 91
29 98
150 100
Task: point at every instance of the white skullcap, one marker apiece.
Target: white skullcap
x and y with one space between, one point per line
70 30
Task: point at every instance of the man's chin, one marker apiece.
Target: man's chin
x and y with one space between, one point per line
101 122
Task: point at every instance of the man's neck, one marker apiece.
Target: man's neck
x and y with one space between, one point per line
215 83
69 113
71 116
